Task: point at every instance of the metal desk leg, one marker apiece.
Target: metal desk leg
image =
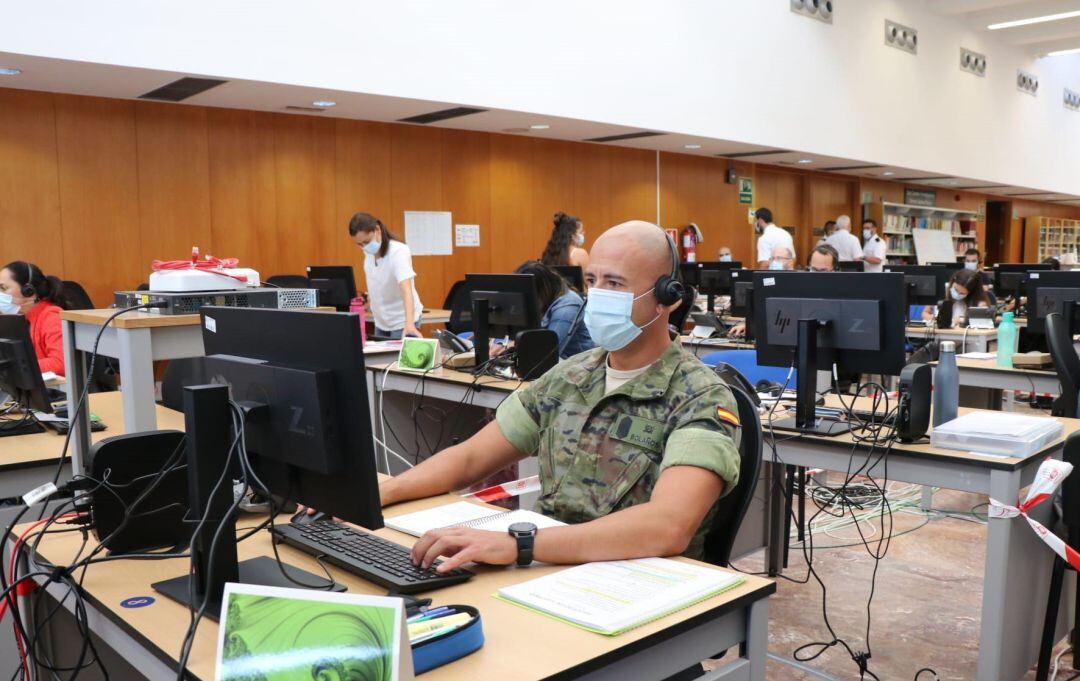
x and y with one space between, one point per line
75 367
757 638
137 380
774 548
927 498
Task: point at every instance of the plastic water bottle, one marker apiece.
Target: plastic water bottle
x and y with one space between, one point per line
1006 341
946 385
357 305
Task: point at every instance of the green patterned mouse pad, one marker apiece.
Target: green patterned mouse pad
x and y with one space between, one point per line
274 634
418 354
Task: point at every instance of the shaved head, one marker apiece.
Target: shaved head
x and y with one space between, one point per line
641 245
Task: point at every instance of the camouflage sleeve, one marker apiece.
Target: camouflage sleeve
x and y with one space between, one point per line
707 435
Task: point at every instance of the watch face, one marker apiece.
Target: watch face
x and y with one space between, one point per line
522 528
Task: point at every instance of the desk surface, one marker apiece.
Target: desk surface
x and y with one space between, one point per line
434 316
923 449
991 365
712 344
447 375
28 450
533 645
957 330
144 320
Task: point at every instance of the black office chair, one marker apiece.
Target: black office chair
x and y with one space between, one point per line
678 317
143 287
1070 518
1066 364
288 281
460 306
76 296
180 374
731 510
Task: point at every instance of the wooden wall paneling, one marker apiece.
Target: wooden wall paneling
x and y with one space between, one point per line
633 186
515 232
466 171
243 189
99 194
552 191
416 171
693 190
29 183
305 185
828 198
591 188
364 184
782 193
174 181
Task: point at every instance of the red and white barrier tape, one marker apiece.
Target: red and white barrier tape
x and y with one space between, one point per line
1049 477
507 489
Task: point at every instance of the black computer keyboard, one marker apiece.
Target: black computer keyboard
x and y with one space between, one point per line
375 559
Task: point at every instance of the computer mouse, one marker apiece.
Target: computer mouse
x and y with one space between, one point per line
304 518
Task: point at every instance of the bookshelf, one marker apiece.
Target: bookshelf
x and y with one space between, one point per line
897 220
1050 237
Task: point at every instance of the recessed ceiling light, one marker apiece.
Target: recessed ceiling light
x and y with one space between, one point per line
691 146
888 173
323 103
540 126
804 161
8 71
953 182
1033 20
1058 53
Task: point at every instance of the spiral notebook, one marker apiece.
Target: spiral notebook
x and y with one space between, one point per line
465 514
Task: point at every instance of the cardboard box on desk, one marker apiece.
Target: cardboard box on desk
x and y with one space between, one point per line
1032 360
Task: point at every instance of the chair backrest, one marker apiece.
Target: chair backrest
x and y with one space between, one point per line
289 281
1066 364
731 510
76 296
678 318
459 303
178 375
143 287
745 362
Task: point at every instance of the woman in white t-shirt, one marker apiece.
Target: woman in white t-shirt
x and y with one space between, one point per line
392 297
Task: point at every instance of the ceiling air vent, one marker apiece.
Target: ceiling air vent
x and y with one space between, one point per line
310 109
624 136
179 90
445 114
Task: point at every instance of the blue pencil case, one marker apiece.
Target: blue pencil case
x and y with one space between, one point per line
435 652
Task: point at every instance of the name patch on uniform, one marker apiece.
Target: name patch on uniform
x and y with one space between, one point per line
727 416
639 431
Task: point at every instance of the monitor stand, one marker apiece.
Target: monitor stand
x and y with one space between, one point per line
806 420
208 424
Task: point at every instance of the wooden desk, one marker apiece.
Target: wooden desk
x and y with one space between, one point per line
434 316
1017 568
700 348
967 340
519 644
985 373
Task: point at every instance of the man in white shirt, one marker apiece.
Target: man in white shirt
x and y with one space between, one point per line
873 252
770 237
845 243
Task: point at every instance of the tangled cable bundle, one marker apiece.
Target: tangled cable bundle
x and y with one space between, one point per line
208 263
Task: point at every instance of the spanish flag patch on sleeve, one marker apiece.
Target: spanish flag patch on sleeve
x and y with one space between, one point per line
727 416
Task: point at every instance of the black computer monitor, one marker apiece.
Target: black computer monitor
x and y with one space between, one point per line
502 305
1052 291
923 284
951 266
573 274
299 377
851 266
20 375
813 320
713 279
1010 277
336 285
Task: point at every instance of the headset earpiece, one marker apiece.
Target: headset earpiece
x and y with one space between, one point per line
28 289
668 289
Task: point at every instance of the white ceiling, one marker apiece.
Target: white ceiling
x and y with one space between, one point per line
102 80
1035 39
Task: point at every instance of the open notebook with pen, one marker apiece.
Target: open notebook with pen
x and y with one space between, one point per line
465 514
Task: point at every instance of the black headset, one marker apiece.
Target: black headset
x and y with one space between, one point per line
668 289
28 289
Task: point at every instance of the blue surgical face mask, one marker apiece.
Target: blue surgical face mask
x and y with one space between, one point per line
372 247
608 317
971 265
725 258
776 265
7 304
579 239
867 234
956 295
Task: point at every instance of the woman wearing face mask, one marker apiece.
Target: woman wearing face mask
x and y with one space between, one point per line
567 243
392 296
965 290
25 290
562 310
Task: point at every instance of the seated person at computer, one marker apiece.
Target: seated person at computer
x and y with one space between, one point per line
724 254
636 439
824 258
965 290
25 290
391 279
782 259
562 310
566 245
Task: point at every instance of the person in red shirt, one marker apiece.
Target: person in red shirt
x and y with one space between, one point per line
24 289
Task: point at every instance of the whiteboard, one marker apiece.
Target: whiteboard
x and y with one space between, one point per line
933 245
429 232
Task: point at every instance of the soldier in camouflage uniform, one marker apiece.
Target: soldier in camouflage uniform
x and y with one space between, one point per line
636 442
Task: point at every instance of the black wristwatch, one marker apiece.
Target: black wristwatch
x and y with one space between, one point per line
525 535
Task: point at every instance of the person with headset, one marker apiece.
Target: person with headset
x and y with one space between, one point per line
25 290
562 310
636 439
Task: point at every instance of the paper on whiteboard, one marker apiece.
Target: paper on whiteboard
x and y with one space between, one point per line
429 232
933 245
467 235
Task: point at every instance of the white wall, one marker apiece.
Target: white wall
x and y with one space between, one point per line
744 70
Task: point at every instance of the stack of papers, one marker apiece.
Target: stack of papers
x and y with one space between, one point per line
995 432
465 514
612 597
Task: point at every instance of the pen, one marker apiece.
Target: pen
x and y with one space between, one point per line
429 614
418 628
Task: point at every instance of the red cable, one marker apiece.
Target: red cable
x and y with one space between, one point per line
207 264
